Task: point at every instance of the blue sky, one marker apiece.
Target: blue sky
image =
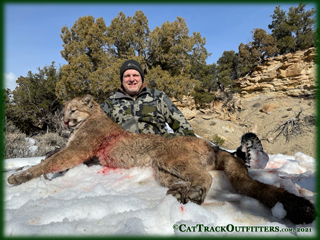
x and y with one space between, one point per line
32 31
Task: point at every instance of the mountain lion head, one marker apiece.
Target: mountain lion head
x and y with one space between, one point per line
77 111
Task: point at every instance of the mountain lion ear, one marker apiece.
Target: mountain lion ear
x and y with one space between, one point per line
87 100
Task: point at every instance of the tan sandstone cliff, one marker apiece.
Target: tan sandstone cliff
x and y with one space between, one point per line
292 74
272 94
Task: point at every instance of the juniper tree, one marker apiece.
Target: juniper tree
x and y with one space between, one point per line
34 102
262 46
171 47
226 69
127 36
294 30
173 86
88 69
208 78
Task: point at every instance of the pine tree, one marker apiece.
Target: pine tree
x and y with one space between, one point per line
34 101
178 55
304 26
169 47
173 86
120 37
7 95
89 69
198 56
208 77
141 38
256 51
263 44
127 36
295 30
227 69
94 69
281 29
174 50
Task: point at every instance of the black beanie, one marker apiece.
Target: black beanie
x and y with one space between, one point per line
131 64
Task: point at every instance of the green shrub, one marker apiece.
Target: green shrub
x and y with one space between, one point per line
218 140
203 99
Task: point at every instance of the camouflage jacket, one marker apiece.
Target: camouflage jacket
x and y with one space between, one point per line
148 112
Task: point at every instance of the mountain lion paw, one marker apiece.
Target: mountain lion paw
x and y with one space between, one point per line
197 194
180 192
185 194
16 179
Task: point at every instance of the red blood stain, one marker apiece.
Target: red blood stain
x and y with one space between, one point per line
111 170
182 209
107 170
103 151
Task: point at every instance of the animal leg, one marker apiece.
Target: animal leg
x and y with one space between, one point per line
299 210
185 182
63 160
177 187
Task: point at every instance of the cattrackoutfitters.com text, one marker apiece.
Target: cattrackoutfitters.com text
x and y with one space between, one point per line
232 228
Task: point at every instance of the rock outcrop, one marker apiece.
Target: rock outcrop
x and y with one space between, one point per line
268 97
292 74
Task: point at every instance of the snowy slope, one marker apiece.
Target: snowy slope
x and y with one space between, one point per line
103 201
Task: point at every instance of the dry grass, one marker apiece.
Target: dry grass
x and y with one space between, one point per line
48 142
18 145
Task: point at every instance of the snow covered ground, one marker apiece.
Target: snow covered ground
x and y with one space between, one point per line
104 201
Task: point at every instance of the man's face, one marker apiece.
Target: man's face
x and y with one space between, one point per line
131 81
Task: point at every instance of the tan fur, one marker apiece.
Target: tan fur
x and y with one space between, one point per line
181 164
